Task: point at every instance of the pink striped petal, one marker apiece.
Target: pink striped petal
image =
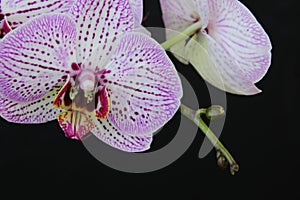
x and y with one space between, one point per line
20 11
234 27
38 111
98 25
108 133
76 125
178 15
36 56
215 66
143 85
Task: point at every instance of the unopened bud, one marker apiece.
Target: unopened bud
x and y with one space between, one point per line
215 112
221 160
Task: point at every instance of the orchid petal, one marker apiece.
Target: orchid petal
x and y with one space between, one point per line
36 56
98 25
143 85
142 29
137 9
76 125
178 15
38 111
213 64
18 12
108 133
234 27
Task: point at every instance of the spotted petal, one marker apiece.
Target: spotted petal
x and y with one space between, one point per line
36 56
18 12
98 25
38 111
143 85
108 133
234 27
213 64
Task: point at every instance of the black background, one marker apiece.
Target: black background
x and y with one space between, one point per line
260 131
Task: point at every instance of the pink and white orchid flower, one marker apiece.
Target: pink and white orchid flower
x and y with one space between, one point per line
100 76
226 44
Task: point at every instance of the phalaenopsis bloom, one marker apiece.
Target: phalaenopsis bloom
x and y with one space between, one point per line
227 46
91 71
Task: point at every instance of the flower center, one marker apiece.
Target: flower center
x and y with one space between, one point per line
81 96
84 95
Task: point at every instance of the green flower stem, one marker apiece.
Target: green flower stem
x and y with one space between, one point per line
191 30
222 153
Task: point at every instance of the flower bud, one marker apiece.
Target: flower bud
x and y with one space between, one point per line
221 160
215 112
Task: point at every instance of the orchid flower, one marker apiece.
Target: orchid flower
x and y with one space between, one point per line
89 70
222 40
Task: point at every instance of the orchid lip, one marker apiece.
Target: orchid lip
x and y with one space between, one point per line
81 104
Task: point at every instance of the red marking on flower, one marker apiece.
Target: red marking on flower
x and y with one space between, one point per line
76 125
103 104
75 66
